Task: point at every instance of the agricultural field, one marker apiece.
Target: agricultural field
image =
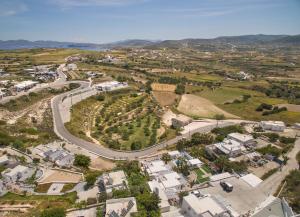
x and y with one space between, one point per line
198 107
123 120
165 98
163 87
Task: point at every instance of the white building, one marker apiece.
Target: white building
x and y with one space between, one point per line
122 207
60 157
71 67
4 160
2 94
229 147
154 168
171 180
297 125
25 85
110 85
194 163
174 154
180 121
19 173
158 189
244 139
274 207
3 189
273 125
202 207
114 180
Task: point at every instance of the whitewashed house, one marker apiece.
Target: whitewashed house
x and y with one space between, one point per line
207 206
273 125
19 173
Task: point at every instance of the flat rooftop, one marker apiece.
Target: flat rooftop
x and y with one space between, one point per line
243 197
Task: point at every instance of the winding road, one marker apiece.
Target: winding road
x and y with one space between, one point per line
61 112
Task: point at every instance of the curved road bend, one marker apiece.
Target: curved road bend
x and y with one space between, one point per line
63 133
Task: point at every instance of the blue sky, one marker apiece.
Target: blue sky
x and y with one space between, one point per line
112 20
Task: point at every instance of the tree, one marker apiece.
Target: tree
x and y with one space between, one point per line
181 144
90 180
180 89
136 145
82 161
166 158
201 138
54 212
149 201
298 158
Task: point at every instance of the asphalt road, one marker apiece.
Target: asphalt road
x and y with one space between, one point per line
102 151
271 184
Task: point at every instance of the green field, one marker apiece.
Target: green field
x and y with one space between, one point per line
200 178
40 202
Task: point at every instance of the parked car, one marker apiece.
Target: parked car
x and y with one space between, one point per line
226 186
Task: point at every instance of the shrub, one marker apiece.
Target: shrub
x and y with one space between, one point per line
82 160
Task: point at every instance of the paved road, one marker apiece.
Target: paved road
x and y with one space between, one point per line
271 184
63 133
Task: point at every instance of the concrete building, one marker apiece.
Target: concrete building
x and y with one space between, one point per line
246 140
2 94
229 147
171 180
297 125
3 189
174 154
194 163
110 85
158 189
19 173
273 125
206 206
122 207
154 168
25 85
71 67
114 180
180 121
273 207
4 160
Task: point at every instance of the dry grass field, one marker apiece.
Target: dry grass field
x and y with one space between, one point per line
165 98
290 107
60 176
163 87
200 107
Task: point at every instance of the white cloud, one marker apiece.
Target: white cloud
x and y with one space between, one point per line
70 3
11 7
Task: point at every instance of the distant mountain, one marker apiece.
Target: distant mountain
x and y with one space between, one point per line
23 44
234 40
285 40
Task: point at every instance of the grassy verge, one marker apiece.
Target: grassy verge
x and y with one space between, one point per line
40 202
269 173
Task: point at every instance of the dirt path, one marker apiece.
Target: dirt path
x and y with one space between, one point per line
290 107
200 107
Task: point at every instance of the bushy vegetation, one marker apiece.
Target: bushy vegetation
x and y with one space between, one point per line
196 139
147 202
291 191
221 133
269 149
223 163
53 212
82 161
